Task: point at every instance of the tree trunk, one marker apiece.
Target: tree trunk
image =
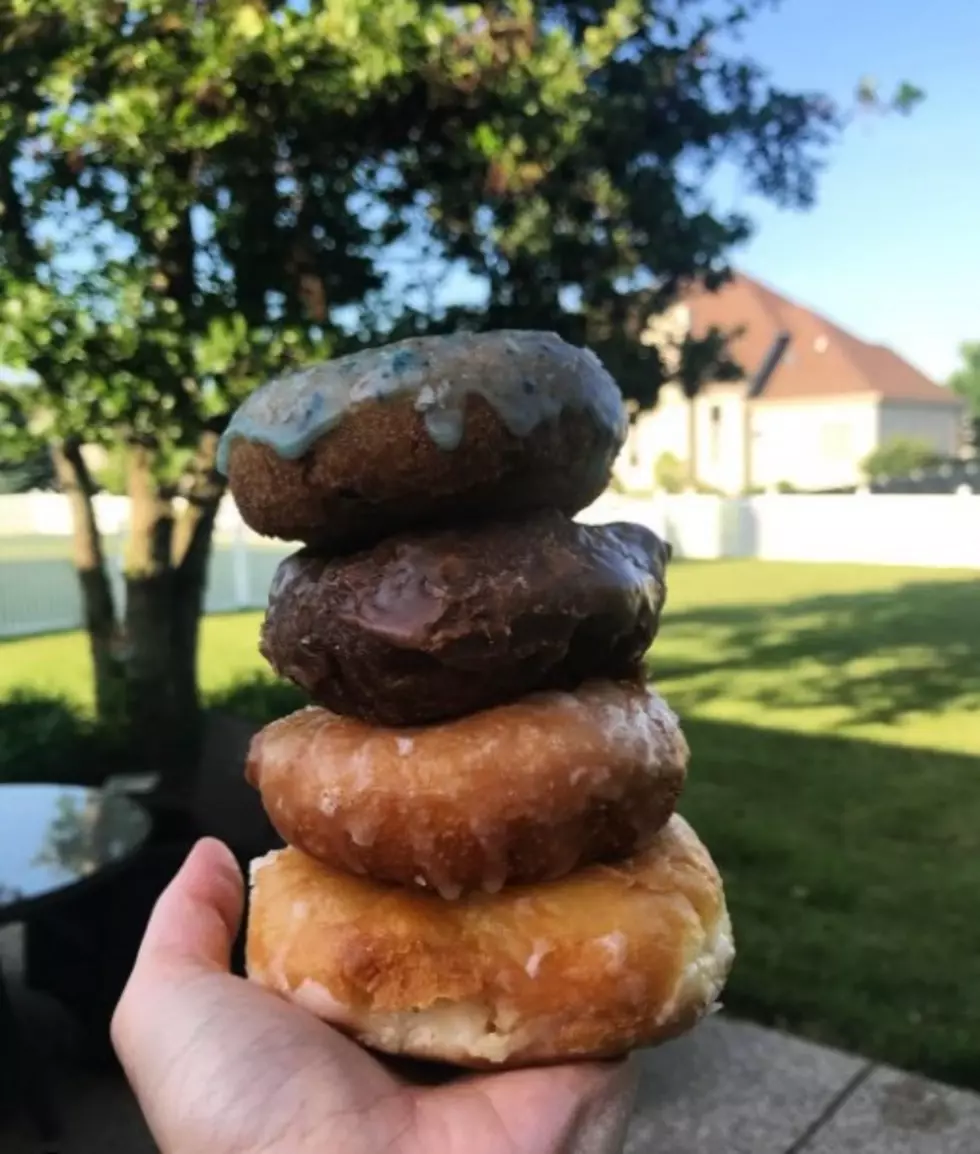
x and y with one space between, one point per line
88 555
164 731
192 554
145 667
165 580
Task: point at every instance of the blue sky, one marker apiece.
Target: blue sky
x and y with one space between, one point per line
891 250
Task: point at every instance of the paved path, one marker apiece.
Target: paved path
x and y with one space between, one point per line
727 1088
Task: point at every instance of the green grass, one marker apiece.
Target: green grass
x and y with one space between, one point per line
833 718
889 655
853 873
43 547
58 663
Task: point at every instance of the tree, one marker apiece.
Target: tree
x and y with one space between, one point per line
196 195
965 382
898 457
23 476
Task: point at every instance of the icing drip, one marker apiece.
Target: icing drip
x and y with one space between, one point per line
290 413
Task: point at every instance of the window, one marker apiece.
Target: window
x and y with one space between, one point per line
835 441
714 416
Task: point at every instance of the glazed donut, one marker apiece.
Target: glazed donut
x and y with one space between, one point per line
429 430
429 626
592 966
523 792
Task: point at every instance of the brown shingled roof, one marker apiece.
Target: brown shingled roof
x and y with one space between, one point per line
822 359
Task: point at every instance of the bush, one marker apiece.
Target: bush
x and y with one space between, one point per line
47 738
259 698
670 473
898 457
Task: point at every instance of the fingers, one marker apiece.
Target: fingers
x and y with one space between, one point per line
192 930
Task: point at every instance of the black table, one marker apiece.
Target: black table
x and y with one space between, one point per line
54 839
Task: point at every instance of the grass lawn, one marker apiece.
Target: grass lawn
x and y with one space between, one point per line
43 547
833 717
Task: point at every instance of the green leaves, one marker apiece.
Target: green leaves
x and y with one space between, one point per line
965 382
898 457
248 23
194 196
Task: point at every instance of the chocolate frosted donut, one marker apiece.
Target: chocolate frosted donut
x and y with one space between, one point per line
431 626
426 431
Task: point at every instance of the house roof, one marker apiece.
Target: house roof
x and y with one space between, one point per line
822 359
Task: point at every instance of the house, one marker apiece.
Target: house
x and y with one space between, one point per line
831 399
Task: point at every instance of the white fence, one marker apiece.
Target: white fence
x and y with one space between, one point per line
936 531
39 590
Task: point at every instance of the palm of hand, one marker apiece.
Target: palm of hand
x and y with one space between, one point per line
223 1067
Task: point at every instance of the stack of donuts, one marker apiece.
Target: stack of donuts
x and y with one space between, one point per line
483 862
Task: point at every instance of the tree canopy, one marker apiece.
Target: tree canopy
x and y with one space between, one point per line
898 457
965 382
195 194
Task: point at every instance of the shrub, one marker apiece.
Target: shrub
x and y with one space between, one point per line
260 698
670 473
898 457
47 738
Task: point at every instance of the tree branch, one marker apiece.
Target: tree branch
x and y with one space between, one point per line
15 236
206 487
88 554
150 517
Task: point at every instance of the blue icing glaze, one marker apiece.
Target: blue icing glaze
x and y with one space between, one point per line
526 377
445 427
403 359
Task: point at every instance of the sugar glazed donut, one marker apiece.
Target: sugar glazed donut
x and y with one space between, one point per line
609 958
430 430
429 626
524 792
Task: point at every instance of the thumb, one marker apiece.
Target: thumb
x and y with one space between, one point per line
191 931
196 919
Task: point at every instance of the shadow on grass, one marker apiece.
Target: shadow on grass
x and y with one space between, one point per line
879 655
852 870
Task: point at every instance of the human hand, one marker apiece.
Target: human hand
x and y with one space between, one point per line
221 1066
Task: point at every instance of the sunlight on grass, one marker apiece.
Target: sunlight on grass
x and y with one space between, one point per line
883 654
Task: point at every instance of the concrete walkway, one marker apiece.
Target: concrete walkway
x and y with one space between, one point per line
727 1088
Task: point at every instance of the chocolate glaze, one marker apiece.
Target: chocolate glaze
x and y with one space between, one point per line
428 626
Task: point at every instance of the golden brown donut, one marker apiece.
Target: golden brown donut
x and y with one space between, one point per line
603 961
518 793
431 430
